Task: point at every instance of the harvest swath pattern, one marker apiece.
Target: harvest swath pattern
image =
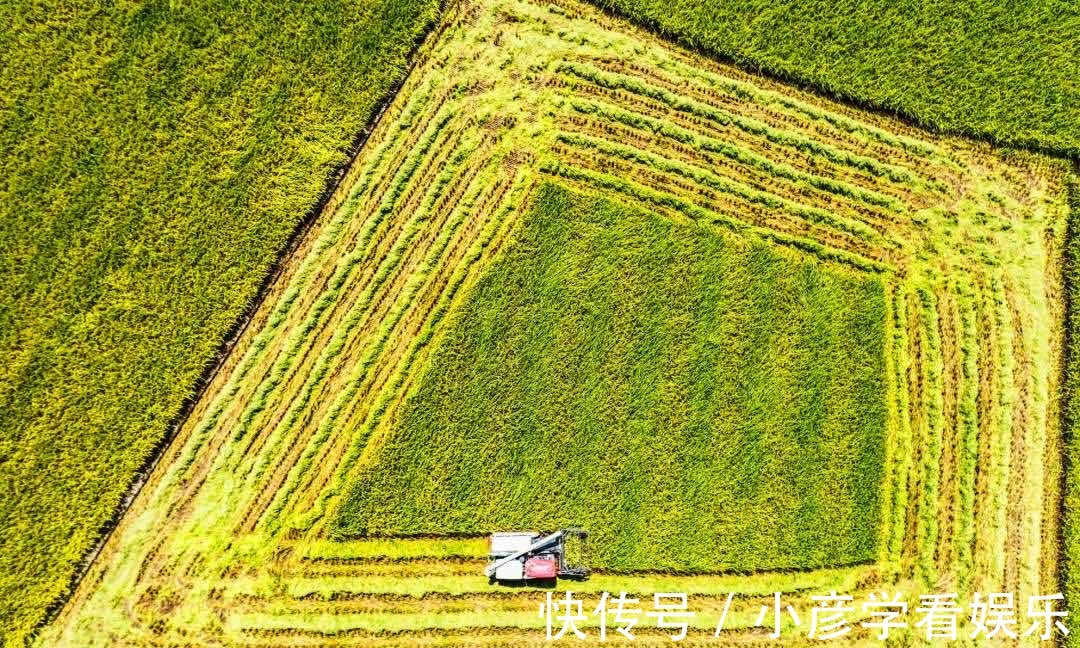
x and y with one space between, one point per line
705 403
227 543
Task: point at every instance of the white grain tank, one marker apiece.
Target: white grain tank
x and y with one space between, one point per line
506 544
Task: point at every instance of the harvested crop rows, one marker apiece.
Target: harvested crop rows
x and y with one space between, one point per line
703 403
228 544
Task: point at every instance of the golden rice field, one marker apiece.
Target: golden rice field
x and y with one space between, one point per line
228 543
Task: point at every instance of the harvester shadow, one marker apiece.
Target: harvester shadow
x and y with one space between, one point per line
538 583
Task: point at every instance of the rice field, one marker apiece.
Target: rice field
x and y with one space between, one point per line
699 403
157 159
237 537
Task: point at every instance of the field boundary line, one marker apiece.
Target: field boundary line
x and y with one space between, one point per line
331 187
851 102
330 199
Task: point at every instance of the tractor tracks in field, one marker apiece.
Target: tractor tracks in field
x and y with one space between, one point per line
223 354
308 385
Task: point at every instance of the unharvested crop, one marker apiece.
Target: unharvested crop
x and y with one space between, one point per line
155 158
231 541
960 66
698 403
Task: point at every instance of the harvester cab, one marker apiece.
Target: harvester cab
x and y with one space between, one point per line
526 555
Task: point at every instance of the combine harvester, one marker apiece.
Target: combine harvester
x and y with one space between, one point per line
521 556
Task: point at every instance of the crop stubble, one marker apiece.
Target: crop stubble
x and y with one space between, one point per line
509 93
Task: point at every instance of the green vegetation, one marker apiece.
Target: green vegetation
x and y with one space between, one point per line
374 599
156 157
713 188
697 402
1008 71
1071 400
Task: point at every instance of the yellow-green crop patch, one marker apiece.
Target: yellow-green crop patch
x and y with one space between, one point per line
231 541
155 159
698 402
